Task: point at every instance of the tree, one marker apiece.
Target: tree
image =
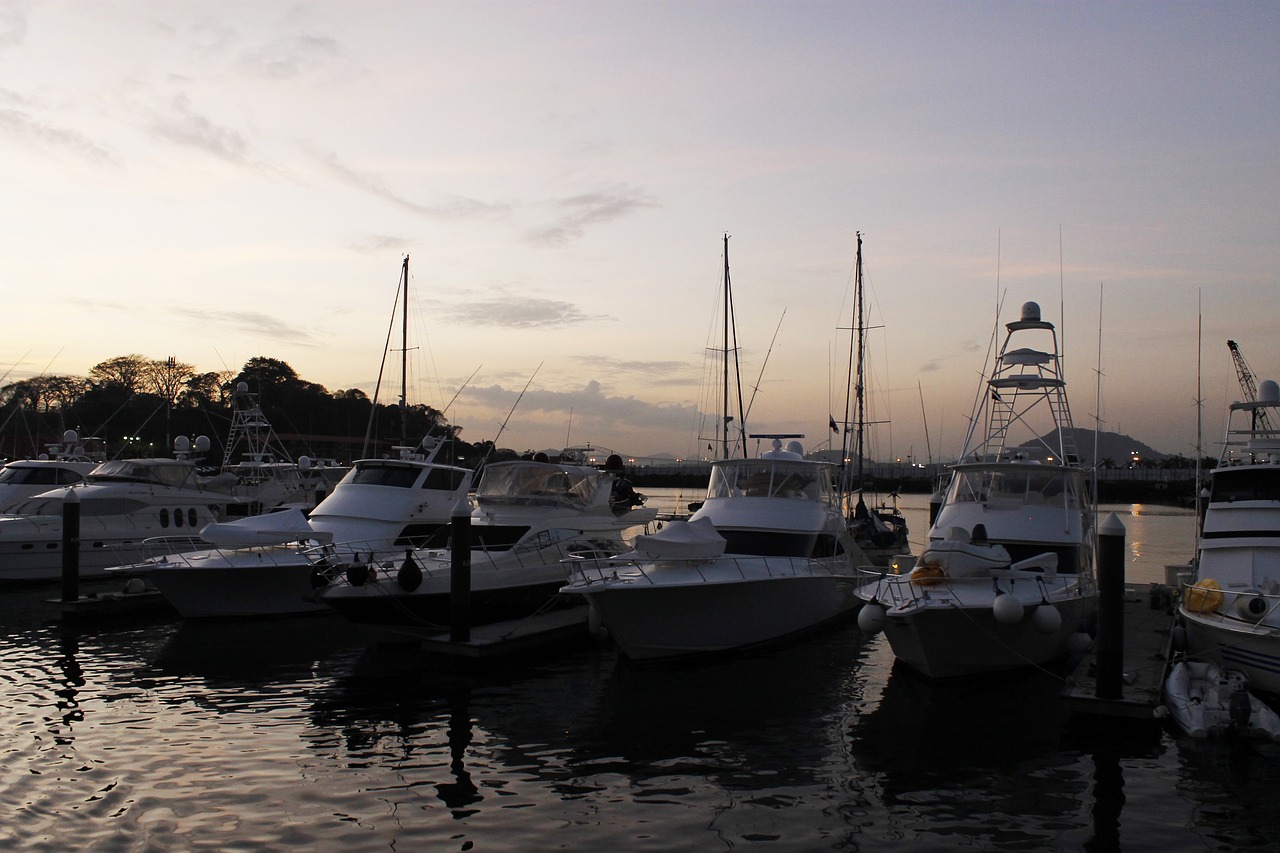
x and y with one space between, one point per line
127 371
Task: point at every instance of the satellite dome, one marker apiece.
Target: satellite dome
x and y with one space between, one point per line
1030 312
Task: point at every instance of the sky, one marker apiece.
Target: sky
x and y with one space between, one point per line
219 181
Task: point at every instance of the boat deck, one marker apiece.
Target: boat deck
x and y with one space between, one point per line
1148 620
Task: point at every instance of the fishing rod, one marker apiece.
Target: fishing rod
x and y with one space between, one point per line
503 427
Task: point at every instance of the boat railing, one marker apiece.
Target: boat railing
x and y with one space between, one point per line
922 583
1251 606
718 570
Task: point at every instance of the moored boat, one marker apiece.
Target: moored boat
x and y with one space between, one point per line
766 556
528 518
1006 578
1230 609
1206 700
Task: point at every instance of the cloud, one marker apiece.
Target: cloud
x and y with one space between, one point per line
290 56
649 369
516 312
19 126
453 207
595 208
590 405
185 127
251 323
13 24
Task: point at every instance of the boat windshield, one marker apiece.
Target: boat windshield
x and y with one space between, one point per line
384 474
770 478
538 483
161 472
1249 483
1014 485
37 475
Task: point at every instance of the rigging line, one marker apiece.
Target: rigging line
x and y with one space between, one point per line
386 348
755 388
503 427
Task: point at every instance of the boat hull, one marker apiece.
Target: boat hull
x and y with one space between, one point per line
944 642
246 584
650 622
1252 648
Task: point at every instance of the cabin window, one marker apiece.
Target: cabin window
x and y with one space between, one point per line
191 517
443 479
1246 484
164 518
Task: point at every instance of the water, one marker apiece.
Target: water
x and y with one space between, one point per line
306 733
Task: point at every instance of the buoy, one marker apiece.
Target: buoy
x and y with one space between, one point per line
410 575
357 572
1079 642
871 618
1178 637
1251 607
1007 609
1046 618
1204 597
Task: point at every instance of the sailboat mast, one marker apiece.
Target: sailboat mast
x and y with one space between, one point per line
862 349
404 358
724 391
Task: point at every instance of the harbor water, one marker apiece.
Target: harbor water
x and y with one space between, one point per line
159 734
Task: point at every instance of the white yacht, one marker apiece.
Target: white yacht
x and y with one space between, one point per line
767 556
60 465
1006 577
528 517
122 503
1231 611
276 564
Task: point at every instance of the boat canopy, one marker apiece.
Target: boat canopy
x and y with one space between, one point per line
161 472
540 484
770 478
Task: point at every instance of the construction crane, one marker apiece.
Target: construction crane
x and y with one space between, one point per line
1245 375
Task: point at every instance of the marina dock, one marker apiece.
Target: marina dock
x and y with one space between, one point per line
1148 619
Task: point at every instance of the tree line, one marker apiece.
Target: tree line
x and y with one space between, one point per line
137 406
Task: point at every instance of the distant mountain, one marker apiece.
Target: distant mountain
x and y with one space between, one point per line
1120 449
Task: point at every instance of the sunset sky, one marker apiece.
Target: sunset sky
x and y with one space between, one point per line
217 181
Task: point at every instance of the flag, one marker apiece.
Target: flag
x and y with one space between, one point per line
834 428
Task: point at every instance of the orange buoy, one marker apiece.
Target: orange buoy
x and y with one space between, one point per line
1204 597
927 575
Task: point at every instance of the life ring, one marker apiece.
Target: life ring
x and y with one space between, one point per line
927 575
1204 597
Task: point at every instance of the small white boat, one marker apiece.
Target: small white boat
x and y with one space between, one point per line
1231 609
529 517
1006 578
1206 700
276 565
766 556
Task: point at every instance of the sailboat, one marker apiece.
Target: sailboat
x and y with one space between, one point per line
276 565
1006 578
766 556
881 532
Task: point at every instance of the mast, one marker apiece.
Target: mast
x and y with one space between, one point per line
856 399
860 387
404 358
724 392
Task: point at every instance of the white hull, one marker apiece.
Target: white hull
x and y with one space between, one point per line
670 620
37 554
250 582
1250 647
953 642
947 627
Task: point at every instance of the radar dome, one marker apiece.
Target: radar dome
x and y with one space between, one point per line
1030 312
71 436
242 387
181 444
202 444
1268 391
